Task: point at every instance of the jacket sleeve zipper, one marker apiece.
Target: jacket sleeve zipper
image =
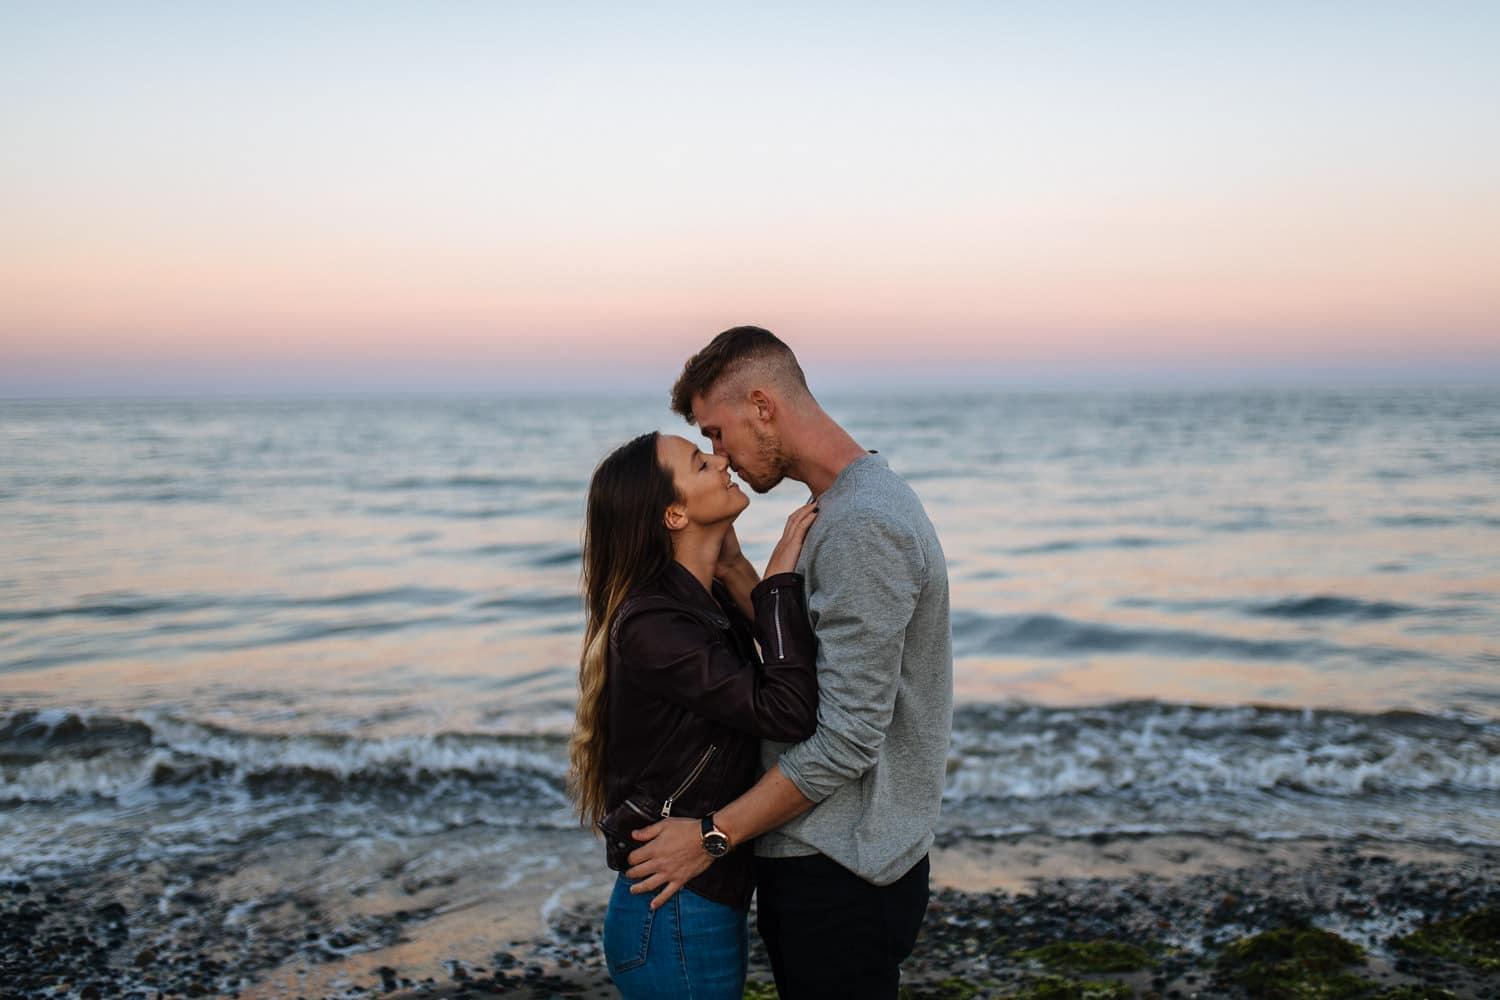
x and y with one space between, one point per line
666 807
776 620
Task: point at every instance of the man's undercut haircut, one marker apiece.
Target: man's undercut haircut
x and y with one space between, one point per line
730 353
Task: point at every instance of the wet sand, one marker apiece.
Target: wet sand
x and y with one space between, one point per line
1183 899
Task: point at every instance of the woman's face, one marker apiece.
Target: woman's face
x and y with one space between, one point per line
707 494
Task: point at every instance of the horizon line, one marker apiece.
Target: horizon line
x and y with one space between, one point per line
1465 381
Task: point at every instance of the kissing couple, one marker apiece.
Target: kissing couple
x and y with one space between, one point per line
783 736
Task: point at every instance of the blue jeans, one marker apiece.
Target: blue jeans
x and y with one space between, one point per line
690 947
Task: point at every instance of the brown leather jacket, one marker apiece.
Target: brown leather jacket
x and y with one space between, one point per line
688 702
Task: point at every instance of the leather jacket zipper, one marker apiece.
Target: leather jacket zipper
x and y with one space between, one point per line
666 807
776 619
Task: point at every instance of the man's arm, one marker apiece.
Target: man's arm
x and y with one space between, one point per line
736 573
870 576
675 856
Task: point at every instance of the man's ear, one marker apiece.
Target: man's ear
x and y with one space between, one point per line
676 517
763 404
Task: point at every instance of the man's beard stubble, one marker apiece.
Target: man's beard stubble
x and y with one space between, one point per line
769 456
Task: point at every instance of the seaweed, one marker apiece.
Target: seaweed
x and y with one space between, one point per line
1102 955
1294 963
1058 988
952 988
1472 939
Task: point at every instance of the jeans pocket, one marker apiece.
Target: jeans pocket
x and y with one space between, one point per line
627 935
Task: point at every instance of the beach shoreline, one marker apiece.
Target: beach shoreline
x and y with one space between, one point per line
1182 899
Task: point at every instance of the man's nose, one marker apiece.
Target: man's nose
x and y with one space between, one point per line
719 450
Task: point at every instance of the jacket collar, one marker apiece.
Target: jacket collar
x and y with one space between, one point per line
681 584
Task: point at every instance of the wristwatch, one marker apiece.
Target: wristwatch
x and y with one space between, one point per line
715 841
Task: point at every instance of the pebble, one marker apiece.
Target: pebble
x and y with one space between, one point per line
53 931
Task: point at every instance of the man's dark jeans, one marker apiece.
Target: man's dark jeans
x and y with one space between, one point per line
832 934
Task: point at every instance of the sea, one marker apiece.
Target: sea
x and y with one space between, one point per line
233 623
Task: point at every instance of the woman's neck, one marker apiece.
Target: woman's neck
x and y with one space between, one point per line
697 549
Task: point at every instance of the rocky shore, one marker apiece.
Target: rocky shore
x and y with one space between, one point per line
1110 918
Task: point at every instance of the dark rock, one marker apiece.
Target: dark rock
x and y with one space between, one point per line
111 912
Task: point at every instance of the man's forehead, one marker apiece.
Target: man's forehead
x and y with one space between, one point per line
706 412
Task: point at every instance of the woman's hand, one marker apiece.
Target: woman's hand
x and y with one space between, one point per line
784 558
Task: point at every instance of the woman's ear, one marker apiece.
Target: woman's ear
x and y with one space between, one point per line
676 517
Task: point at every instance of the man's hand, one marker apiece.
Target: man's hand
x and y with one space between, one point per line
734 571
730 554
672 857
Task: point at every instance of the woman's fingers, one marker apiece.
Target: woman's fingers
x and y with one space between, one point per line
799 522
784 558
801 518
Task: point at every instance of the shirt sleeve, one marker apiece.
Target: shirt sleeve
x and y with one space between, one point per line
870 572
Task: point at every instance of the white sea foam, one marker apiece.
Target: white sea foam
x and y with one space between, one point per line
185 755
1032 754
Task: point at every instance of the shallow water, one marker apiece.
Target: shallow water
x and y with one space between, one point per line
1273 613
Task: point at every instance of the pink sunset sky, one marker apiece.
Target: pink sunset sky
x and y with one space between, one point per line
488 196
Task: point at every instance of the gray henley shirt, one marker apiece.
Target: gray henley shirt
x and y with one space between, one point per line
877 587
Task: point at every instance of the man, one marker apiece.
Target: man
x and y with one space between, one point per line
843 821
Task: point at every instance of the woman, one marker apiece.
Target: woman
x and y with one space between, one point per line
674 699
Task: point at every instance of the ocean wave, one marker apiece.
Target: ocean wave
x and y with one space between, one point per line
556 556
464 481
128 605
449 482
429 596
1423 520
1314 606
537 603
122 606
977 633
53 755
1016 753
1146 749
1331 606
1075 545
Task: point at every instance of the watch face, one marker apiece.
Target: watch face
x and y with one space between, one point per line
716 844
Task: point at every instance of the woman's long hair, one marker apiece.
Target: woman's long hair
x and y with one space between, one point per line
625 544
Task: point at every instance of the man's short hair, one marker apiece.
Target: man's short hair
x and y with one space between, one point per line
726 355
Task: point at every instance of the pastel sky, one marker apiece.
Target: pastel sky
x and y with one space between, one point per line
263 196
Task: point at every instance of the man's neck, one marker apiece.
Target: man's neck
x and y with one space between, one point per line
824 450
